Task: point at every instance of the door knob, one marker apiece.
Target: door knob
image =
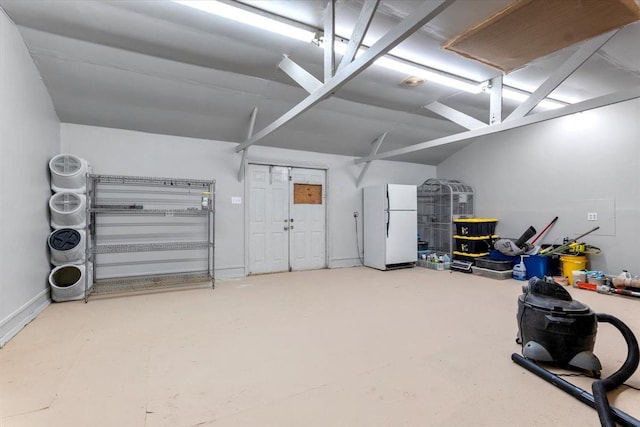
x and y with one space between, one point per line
291 219
286 220
286 228
291 227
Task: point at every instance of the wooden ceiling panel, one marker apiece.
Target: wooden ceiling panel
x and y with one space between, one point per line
530 29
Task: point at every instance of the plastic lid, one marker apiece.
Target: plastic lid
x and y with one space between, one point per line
556 305
495 236
65 164
476 220
64 239
66 202
470 254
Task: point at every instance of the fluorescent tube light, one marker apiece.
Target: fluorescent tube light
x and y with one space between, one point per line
428 75
521 96
245 17
412 70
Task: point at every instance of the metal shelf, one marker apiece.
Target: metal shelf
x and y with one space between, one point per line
148 247
154 212
108 197
150 181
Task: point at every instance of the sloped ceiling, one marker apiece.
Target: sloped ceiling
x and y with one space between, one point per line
157 66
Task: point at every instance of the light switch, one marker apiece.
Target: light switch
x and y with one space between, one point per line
236 200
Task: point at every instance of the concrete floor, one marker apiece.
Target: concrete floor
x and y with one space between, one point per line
344 347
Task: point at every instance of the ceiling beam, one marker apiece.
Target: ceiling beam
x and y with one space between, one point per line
458 117
495 100
376 146
299 74
329 40
245 152
589 104
423 14
359 31
585 52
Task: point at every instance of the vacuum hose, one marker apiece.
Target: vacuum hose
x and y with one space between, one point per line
601 387
528 233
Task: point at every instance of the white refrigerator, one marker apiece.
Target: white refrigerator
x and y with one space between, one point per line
390 223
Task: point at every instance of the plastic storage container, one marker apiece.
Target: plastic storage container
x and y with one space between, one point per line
492 274
68 173
67 210
536 265
67 246
475 226
474 244
67 282
440 266
471 257
570 263
494 264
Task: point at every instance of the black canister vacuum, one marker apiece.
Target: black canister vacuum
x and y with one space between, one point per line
554 328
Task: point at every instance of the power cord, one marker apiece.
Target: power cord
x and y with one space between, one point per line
355 218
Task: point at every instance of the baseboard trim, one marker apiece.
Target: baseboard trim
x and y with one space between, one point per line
236 272
12 324
345 262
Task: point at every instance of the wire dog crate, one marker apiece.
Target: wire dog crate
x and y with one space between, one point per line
440 201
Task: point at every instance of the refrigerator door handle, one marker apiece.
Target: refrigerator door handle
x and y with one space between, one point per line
388 220
388 209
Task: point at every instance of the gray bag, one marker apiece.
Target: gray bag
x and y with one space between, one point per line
508 247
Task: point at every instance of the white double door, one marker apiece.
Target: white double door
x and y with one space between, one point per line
287 218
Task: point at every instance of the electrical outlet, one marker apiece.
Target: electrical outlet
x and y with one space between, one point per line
355 214
592 216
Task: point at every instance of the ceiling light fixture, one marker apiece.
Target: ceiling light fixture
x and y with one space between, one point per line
404 67
412 81
246 17
412 70
521 96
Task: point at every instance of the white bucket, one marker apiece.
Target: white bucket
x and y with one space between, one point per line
68 210
67 282
67 246
69 173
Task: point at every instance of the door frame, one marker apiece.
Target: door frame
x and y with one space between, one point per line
327 219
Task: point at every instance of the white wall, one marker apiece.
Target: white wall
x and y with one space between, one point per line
114 151
588 162
29 137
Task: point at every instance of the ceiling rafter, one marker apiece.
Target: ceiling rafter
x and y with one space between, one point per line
589 104
516 117
423 14
455 116
585 52
299 74
374 150
329 40
495 100
359 32
245 152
